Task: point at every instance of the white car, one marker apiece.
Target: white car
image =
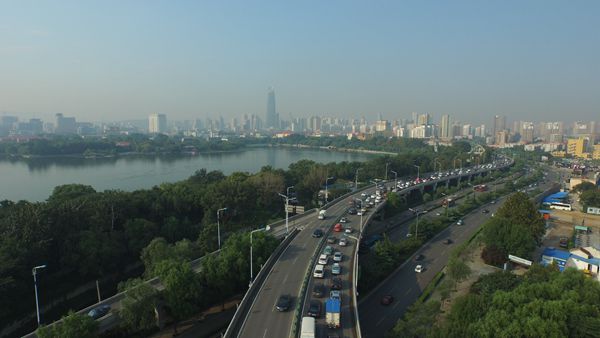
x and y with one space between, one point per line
323 259
318 273
348 230
343 242
337 256
419 268
359 212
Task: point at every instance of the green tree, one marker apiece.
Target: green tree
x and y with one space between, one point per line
417 322
73 325
182 288
138 307
457 269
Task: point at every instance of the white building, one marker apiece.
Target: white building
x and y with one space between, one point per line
157 123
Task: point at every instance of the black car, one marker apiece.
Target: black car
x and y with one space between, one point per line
336 283
447 241
315 309
318 290
419 257
485 211
283 303
99 311
317 233
352 211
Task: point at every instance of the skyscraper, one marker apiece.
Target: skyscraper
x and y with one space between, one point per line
445 127
271 119
499 124
157 123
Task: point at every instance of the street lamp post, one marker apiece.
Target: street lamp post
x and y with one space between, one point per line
251 268
356 179
395 179
386 169
439 165
287 201
418 171
37 303
417 225
219 226
327 180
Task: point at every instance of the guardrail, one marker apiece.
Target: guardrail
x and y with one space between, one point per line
237 323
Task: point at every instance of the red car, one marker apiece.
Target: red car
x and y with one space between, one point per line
337 227
387 300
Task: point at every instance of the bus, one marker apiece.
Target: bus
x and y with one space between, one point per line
561 206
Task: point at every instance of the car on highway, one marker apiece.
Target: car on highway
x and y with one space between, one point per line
359 212
335 294
323 259
336 269
419 257
314 310
331 239
99 312
337 227
348 230
438 214
336 283
419 268
387 300
447 241
493 202
343 242
318 290
317 233
485 211
328 250
352 211
283 303
343 220
460 222
337 256
319 271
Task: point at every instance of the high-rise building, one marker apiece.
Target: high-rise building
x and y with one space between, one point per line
157 123
271 118
526 132
65 125
499 124
424 119
445 127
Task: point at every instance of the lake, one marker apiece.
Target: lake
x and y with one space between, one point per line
34 179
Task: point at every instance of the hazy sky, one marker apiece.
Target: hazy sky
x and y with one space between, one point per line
116 60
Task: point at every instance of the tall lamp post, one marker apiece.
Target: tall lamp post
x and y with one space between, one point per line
395 179
386 169
418 171
219 226
287 203
326 184
267 228
439 165
417 212
37 303
356 179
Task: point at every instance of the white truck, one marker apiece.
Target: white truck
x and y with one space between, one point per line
322 214
308 327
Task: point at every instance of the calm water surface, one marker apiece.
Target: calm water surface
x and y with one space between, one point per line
35 179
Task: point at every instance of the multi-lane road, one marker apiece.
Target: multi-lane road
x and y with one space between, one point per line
405 285
291 269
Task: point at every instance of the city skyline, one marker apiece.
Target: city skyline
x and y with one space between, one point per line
191 60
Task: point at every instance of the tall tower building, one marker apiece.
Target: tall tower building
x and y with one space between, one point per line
445 127
271 119
157 123
499 124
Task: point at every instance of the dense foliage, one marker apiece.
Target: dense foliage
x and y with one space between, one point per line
542 303
83 235
516 229
589 194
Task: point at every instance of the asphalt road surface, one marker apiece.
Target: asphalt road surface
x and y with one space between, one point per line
405 285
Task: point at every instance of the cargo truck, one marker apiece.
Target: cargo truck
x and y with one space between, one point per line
332 313
308 328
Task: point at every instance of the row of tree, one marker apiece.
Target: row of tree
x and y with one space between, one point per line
589 194
83 235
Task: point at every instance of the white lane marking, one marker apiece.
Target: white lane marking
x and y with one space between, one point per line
265 334
295 260
408 291
304 245
380 321
286 277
